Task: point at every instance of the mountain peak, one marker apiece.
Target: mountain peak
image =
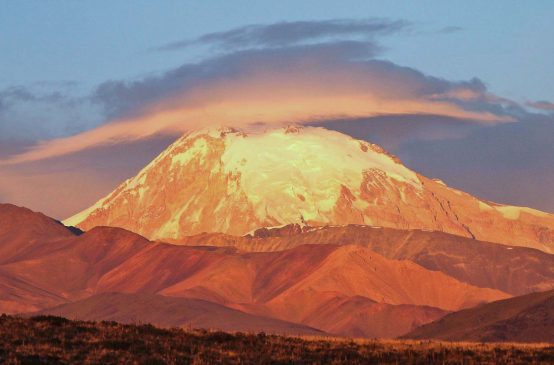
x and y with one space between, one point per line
227 180
218 131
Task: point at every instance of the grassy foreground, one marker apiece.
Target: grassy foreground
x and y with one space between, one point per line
54 340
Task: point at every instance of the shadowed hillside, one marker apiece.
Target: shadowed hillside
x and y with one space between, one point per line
528 318
173 312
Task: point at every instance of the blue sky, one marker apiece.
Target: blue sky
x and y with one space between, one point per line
507 44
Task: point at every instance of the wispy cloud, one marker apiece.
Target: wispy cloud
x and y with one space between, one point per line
451 29
541 105
291 33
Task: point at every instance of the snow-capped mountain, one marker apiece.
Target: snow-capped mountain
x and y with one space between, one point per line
224 180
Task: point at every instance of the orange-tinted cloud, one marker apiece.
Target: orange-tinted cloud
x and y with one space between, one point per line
307 92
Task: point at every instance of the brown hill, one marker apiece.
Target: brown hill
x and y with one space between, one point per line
288 285
275 278
72 266
173 312
367 318
353 270
21 229
17 295
527 318
375 282
512 269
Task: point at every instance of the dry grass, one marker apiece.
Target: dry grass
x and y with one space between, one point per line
402 343
54 340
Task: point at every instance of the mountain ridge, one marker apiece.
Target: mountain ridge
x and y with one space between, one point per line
479 263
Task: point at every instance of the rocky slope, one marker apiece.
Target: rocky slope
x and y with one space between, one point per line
222 180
